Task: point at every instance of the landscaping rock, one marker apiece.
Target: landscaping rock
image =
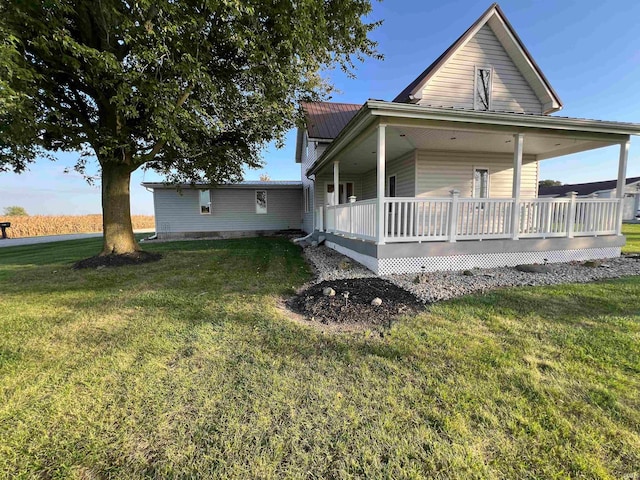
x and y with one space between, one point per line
344 265
533 268
376 302
436 286
328 292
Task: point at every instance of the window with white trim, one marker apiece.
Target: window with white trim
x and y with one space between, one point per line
481 183
482 91
261 201
205 202
391 186
307 199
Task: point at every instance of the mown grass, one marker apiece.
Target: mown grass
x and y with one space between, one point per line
632 232
186 368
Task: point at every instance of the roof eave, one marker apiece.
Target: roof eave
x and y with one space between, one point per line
359 121
501 118
160 185
373 109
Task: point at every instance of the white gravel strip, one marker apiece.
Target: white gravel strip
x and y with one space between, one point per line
331 265
436 286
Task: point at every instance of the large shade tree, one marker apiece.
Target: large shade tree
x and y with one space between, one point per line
190 88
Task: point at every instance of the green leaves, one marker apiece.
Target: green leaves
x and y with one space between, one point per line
194 88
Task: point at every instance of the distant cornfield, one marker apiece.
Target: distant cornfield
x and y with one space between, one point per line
37 225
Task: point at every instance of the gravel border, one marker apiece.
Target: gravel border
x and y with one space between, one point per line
436 286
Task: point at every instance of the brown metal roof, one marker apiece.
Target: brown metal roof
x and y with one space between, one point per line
403 97
583 188
327 119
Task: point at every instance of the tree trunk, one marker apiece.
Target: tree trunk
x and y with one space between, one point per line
116 210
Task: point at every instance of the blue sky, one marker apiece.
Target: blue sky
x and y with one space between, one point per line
588 49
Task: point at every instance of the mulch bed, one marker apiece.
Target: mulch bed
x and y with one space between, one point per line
357 308
117 260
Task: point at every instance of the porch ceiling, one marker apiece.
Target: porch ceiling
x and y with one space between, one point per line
361 156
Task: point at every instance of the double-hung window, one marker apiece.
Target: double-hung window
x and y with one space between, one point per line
481 183
307 199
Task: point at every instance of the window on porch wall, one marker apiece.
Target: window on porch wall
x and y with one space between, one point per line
481 183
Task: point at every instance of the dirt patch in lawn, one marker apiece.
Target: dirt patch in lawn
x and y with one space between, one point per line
101 261
355 308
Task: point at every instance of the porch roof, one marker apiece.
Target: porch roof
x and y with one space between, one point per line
418 126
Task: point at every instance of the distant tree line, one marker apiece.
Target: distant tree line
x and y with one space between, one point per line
15 211
549 183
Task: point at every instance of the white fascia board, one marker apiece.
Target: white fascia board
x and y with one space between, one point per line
204 186
516 120
550 101
417 91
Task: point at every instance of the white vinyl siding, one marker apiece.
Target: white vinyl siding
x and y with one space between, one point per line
441 172
369 186
231 210
404 168
453 84
311 151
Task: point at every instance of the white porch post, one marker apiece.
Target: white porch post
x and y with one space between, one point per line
571 217
381 160
453 215
518 140
622 182
336 193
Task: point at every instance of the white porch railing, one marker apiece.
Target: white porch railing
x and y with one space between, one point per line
356 219
545 217
451 219
596 216
417 219
484 218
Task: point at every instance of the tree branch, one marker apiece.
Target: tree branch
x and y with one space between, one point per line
160 143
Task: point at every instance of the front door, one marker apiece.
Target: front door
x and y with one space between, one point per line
344 192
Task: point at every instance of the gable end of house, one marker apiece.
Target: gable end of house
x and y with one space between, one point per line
490 47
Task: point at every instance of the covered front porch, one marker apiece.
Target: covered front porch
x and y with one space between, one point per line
423 177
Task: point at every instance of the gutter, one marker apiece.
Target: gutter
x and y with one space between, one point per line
524 120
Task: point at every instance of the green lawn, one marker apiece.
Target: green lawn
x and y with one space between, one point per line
632 232
186 368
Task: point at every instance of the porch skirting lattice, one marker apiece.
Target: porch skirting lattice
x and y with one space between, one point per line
389 266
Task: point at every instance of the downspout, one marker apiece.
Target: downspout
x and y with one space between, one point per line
155 234
313 214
